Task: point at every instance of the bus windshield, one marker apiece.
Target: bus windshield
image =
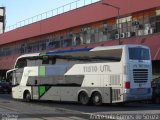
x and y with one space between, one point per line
139 54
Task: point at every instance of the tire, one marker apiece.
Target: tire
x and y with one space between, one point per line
83 98
97 99
27 96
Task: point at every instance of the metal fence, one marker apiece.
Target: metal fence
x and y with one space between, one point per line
65 8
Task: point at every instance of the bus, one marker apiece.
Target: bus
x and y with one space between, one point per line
104 74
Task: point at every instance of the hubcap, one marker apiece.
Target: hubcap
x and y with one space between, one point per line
96 99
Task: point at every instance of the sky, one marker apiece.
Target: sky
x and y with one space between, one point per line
18 10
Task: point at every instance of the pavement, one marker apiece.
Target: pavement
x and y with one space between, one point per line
18 110
11 109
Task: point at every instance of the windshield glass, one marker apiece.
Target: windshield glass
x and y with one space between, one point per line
139 54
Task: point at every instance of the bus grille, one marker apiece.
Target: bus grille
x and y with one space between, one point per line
140 75
116 95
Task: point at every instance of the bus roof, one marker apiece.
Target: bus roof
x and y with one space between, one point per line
79 50
115 47
65 51
28 55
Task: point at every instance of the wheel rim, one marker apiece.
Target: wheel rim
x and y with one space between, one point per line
96 99
28 97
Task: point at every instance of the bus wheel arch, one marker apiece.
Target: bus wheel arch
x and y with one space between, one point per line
27 96
96 98
83 98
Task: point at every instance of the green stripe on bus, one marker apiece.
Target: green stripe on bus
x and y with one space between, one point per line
42 90
42 71
43 54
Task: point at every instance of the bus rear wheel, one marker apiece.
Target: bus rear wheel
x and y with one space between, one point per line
96 98
27 96
83 98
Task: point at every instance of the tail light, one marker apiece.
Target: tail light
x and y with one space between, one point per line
127 85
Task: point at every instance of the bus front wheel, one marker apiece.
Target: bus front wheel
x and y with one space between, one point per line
83 98
27 96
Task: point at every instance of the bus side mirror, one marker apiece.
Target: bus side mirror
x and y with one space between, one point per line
10 72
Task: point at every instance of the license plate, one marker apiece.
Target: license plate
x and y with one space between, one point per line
139 91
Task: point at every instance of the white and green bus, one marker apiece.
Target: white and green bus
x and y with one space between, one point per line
105 74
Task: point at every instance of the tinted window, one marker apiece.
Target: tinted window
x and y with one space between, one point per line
139 54
113 55
21 63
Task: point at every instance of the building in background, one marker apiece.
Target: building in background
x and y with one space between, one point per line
2 19
138 22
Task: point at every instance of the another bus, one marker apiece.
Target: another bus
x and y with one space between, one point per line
105 74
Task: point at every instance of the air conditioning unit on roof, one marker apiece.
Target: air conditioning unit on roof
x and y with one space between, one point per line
146 32
134 23
122 35
147 26
128 34
116 36
151 31
139 26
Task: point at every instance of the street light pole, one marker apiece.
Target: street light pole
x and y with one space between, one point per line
118 9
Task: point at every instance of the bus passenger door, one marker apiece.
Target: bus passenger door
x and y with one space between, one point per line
16 89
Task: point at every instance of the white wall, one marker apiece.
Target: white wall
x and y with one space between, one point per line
1 23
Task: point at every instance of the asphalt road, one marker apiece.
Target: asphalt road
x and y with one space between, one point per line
74 111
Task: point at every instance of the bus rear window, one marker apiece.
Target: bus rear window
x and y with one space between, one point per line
139 54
